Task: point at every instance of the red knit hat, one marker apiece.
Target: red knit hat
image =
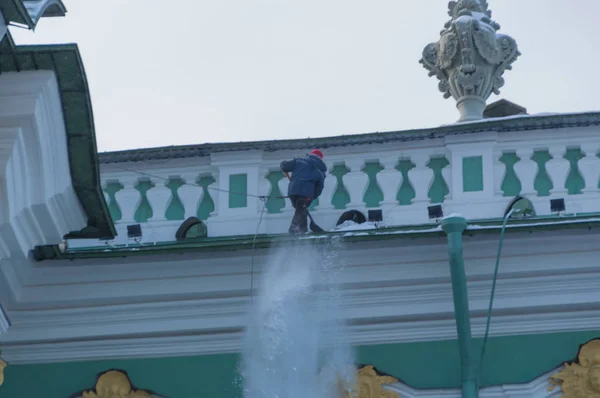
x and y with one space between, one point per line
317 152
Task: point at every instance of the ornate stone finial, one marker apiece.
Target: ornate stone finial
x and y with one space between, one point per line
369 385
580 379
2 366
470 57
114 384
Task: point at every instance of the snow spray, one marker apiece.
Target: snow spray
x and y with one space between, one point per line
296 343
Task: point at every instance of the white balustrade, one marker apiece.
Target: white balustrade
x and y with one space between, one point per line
499 172
356 182
128 199
389 180
242 220
558 169
159 197
589 167
264 186
328 190
447 175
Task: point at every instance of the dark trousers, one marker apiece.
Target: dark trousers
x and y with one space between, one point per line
299 223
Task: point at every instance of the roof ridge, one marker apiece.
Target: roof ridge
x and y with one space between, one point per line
509 123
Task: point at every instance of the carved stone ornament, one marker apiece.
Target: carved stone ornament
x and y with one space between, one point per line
470 57
369 385
114 384
581 378
2 366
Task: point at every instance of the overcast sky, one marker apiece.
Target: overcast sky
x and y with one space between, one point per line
194 71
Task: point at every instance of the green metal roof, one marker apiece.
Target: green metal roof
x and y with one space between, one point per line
65 61
246 242
511 123
16 11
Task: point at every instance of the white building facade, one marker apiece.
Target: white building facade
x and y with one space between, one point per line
134 270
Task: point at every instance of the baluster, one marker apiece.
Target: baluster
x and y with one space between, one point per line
447 176
356 182
421 177
159 198
526 169
558 169
190 194
389 180
499 172
128 199
589 167
328 190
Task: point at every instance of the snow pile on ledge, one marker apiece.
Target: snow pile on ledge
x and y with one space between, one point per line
350 225
520 116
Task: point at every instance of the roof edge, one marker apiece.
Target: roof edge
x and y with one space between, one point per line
246 242
65 61
509 123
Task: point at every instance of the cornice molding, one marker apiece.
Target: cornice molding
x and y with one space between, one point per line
124 308
537 388
182 340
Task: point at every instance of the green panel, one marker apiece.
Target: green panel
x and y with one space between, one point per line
373 194
575 182
144 210
113 206
425 365
438 189
511 186
175 210
406 193
341 197
238 189
508 360
187 377
472 174
207 205
274 205
543 183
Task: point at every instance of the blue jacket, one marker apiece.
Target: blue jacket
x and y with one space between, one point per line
308 176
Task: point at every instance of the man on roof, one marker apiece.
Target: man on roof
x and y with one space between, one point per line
306 184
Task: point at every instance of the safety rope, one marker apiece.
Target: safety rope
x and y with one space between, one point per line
494 279
265 197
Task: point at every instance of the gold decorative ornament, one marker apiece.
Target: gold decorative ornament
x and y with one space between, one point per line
115 384
370 385
2 366
581 378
